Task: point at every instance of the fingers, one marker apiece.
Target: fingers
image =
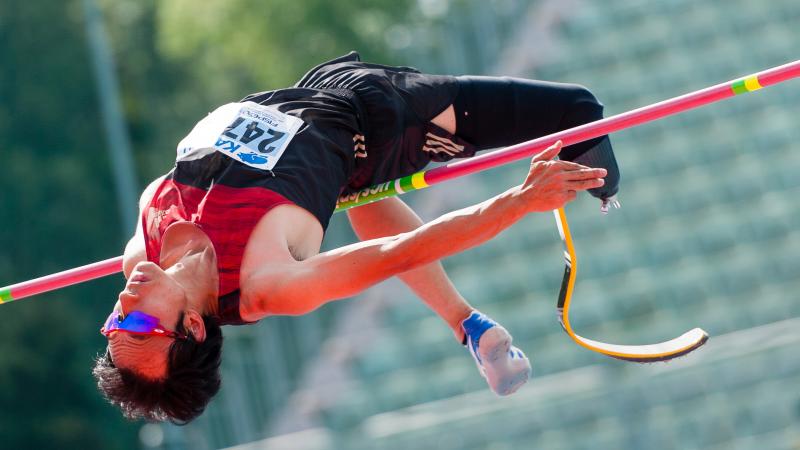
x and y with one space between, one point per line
563 171
584 173
550 184
582 179
569 165
549 153
582 185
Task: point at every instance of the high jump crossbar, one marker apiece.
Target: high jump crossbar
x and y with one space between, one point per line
424 179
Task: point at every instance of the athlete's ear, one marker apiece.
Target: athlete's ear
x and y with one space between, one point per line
193 323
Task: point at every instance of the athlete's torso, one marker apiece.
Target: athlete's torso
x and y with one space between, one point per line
253 160
234 234
245 159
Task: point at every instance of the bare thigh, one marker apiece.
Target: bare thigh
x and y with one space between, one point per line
446 120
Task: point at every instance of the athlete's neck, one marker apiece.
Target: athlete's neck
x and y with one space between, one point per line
188 256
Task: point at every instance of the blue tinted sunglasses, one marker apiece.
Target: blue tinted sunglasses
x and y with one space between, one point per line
137 322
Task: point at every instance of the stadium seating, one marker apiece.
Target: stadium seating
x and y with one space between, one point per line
708 236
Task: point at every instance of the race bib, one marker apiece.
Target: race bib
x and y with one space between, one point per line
250 133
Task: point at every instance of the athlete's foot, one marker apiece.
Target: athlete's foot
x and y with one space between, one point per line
504 366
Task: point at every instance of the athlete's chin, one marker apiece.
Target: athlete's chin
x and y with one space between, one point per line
146 268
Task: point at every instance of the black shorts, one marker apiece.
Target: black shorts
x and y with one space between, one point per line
396 105
365 124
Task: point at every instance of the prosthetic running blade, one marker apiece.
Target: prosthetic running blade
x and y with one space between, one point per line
664 351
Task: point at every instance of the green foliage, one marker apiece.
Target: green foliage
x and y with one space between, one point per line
58 212
266 45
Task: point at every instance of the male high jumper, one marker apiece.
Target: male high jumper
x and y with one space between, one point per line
232 233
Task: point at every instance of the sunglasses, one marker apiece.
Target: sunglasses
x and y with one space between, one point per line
137 322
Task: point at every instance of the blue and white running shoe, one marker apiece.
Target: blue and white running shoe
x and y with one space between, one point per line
504 366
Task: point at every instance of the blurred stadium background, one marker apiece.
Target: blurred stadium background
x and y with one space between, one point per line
708 234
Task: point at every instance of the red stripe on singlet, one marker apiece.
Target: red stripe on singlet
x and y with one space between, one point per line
226 214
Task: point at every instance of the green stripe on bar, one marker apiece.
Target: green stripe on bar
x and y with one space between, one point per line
5 296
365 196
406 185
738 87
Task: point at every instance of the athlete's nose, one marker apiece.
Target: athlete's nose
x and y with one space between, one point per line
128 300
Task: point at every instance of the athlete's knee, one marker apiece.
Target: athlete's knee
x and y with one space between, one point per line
582 106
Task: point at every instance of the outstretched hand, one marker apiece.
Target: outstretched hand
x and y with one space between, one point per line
551 184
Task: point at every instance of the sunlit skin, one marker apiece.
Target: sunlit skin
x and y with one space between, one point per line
161 291
283 272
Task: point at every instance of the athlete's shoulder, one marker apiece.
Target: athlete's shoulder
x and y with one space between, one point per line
284 236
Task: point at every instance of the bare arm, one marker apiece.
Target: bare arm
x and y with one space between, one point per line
430 282
297 287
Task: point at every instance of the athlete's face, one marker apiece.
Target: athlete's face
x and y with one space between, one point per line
152 291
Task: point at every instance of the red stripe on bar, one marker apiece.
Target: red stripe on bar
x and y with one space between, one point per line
605 126
66 278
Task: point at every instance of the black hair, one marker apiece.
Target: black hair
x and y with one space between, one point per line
192 380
